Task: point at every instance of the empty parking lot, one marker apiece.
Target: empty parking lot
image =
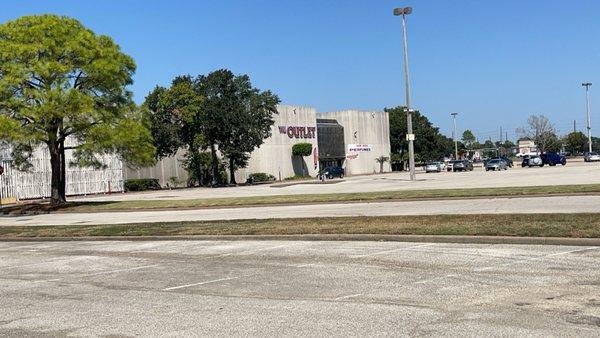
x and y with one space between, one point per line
184 288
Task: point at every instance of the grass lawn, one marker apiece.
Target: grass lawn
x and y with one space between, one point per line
329 198
527 225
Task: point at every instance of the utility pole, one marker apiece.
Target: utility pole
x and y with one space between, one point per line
587 112
574 126
410 136
500 134
454 136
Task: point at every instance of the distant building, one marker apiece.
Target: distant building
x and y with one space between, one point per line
351 139
526 147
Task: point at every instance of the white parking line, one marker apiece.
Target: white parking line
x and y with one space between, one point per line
201 283
536 258
348 296
487 268
119 270
251 251
433 279
393 250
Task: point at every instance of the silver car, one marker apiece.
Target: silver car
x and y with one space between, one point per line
591 157
496 164
433 167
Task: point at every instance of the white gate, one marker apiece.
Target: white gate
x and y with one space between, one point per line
79 181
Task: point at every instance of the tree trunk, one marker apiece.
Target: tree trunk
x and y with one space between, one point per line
214 165
57 196
63 171
231 173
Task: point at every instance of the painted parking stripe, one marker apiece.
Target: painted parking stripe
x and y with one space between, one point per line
201 283
393 250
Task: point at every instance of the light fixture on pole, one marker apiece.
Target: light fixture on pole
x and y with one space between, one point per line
587 112
454 136
409 136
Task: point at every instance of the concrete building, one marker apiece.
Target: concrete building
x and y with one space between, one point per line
366 137
352 139
526 147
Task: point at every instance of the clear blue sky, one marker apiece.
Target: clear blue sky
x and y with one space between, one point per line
493 62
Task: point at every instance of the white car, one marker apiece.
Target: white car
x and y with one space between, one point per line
433 167
591 157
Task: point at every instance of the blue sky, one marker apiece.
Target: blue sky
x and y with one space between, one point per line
493 62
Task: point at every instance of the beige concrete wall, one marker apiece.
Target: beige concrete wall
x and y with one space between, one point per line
274 156
366 128
163 170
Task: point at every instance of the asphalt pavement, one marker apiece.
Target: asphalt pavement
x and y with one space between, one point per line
222 288
520 205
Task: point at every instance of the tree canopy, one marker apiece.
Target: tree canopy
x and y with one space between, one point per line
542 132
429 143
219 112
468 138
59 80
575 142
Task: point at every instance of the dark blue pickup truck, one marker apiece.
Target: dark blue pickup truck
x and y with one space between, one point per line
553 159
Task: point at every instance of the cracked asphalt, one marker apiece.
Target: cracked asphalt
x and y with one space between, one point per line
279 288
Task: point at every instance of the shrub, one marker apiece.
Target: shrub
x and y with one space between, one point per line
141 184
297 177
260 177
302 149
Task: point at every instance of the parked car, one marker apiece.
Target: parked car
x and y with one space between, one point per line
508 161
591 157
496 164
553 159
331 172
532 161
433 167
462 165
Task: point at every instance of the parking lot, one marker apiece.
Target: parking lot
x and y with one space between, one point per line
191 288
575 172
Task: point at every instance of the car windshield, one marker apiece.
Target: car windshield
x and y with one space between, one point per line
593 154
494 161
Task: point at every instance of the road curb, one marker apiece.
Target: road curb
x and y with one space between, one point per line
341 237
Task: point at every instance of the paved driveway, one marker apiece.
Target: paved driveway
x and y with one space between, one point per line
560 204
220 288
572 173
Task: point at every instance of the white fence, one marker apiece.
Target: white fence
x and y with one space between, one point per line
80 181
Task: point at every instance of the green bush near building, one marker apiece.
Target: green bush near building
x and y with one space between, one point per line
260 177
142 184
302 149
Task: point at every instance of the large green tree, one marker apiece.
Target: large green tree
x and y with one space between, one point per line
220 112
250 122
429 143
468 138
60 80
236 118
575 142
173 115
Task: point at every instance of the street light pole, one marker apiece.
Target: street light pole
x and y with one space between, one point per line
410 136
587 112
454 136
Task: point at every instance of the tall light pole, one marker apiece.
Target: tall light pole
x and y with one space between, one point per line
587 112
409 136
454 135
